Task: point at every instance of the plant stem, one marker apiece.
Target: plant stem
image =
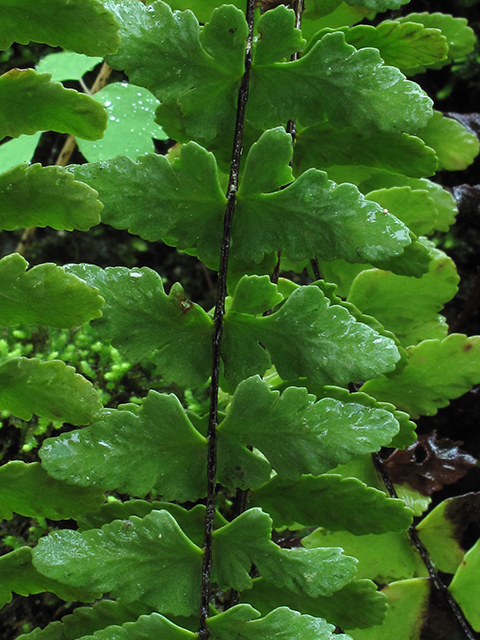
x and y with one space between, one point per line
425 556
218 325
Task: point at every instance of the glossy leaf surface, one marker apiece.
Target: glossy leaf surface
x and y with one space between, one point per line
205 69
123 558
247 540
242 623
80 25
325 343
384 558
18 575
56 500
181 203
437 372
130 126
405 436
67 65
465 586
44 294
285 87
333 502
310 217
404 305
141 320
51 390
408 603
134 453
358 604
56 108
298 435
36 196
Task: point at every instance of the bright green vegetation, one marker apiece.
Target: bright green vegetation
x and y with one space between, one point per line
312 379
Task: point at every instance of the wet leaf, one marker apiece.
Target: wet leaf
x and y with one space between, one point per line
123 558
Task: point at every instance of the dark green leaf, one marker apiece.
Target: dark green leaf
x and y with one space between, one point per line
56 108
191 521
134 453
311 217
124 558
88 620
298 435
247 540
187 211
36 196
239 623
147 626
51 390
278 37
358 604
333 502
322 146
45 294
80 25
378 5
324 82
313 348
141 320
19 493
204 69
18 575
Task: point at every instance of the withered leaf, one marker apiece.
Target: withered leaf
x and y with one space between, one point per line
429 463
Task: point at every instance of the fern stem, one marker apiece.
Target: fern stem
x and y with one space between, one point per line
218 325
425 556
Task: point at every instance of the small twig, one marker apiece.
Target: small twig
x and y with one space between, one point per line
425 556
66 152
203 631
